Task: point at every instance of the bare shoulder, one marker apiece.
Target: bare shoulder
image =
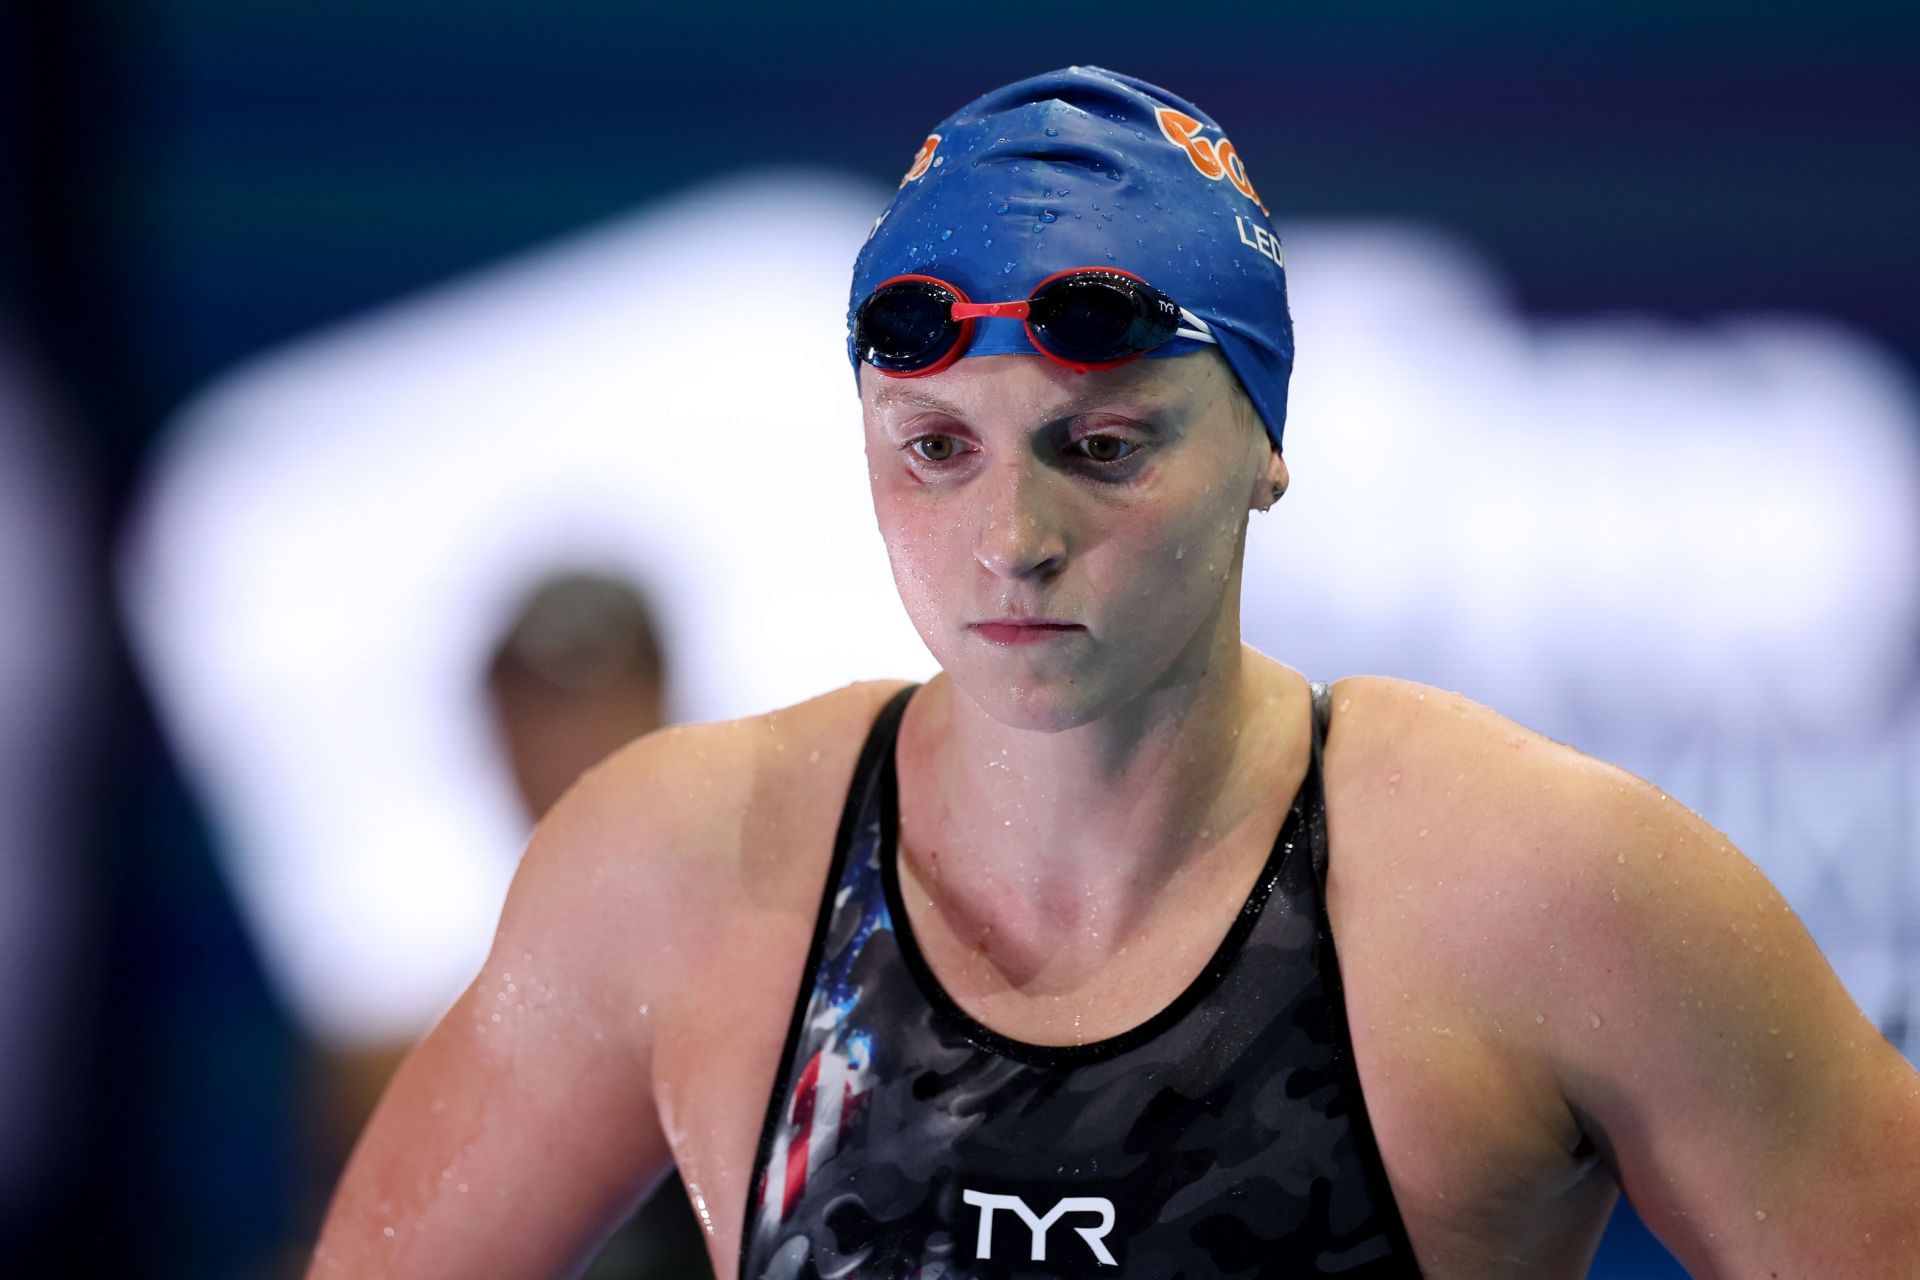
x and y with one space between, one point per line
682 828
564 1079
1513 850
1385 720
1534 841
1476 788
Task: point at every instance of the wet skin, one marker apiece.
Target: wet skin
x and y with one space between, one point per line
1559 980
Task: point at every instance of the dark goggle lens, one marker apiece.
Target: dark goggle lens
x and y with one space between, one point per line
906 326
1098 318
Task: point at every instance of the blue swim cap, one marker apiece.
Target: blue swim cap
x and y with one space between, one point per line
1084 167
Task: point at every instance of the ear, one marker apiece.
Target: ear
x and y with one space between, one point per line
1272 483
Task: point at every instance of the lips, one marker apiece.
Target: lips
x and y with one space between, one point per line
1025 631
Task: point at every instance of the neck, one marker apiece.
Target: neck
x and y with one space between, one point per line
1040 847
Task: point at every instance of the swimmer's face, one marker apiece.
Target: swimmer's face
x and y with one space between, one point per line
1116 500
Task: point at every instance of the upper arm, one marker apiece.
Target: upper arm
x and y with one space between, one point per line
1624 957
1757 1120
519 1134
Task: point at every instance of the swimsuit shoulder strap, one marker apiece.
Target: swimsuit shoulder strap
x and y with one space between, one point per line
1315 786
856 814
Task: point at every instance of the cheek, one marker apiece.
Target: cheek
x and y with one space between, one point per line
916 551
1163 552
905 522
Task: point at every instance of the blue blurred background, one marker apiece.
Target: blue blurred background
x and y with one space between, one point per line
187 186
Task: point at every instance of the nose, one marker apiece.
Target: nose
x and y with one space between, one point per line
1017 523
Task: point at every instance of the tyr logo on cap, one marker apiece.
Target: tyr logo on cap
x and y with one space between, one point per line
922 159
1214 160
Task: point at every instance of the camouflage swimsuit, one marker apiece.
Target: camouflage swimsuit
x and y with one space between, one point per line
1225 1136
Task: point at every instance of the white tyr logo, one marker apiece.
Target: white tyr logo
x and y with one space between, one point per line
987 1202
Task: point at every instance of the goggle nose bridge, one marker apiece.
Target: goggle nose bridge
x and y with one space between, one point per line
974 310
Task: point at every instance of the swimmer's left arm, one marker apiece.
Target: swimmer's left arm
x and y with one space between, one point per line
1757 1120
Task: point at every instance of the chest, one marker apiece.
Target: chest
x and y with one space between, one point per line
1475 1149
1222 1131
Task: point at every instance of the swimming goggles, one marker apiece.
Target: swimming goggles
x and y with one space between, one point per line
1084 318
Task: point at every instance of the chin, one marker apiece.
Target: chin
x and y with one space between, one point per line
1037 702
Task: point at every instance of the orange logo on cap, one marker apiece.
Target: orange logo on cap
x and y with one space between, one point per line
1214 160
922 159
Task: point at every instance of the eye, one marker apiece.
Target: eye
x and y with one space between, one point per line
1105 450
933 447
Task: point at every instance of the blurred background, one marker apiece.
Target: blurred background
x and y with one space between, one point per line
368 467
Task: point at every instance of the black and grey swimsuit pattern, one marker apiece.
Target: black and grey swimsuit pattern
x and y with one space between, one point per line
1225 1137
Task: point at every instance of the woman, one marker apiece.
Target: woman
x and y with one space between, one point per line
1120 948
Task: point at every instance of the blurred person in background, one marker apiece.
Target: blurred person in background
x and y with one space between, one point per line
1744 1102
578 674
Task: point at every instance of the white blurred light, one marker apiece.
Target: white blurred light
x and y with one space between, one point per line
1687 548
1714 526
335 537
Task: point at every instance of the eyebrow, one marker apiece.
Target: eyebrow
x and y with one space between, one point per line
1070 409
889 396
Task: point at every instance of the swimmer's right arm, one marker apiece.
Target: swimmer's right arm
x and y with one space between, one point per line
521 1132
